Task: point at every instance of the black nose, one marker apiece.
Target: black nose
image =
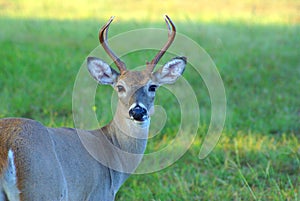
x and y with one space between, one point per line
138 113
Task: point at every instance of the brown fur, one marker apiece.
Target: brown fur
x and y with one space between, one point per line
9 130
9 139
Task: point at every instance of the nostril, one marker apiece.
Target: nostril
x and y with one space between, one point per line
138 113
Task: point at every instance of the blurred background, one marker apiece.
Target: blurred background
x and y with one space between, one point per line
255 46
253 11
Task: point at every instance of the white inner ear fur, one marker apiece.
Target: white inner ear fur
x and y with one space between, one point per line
101 71
171 71
175 67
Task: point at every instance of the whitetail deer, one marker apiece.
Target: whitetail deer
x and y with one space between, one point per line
38 163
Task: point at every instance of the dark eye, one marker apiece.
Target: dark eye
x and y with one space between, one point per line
120 88
152 88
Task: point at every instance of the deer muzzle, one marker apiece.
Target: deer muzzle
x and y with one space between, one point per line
138 112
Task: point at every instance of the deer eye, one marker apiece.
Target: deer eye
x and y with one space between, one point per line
120 88
152 88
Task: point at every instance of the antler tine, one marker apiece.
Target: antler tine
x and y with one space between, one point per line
103 40
171 36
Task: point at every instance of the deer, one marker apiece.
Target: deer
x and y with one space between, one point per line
39 163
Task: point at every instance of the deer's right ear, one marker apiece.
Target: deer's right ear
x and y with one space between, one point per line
101 71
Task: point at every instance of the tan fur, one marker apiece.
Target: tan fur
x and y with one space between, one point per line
21 136
135 78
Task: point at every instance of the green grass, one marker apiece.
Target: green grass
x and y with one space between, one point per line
258 156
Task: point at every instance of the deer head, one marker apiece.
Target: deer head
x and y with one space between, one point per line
136 89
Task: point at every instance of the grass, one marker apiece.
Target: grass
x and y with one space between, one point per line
258 155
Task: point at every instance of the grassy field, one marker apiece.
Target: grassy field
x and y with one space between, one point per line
257 55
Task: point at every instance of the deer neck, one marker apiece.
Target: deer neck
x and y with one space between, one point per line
127 134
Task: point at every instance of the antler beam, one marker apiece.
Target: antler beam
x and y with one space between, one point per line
103 40
171 36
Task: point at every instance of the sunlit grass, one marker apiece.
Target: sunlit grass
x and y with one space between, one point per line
243 166
247 11
258 153
255 47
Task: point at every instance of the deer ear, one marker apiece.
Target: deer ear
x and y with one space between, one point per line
101 71
171 71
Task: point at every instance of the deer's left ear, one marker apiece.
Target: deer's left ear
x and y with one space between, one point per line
171 71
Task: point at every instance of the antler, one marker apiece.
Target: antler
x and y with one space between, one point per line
171 36
103 40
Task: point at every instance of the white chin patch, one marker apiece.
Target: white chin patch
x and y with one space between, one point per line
142 123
